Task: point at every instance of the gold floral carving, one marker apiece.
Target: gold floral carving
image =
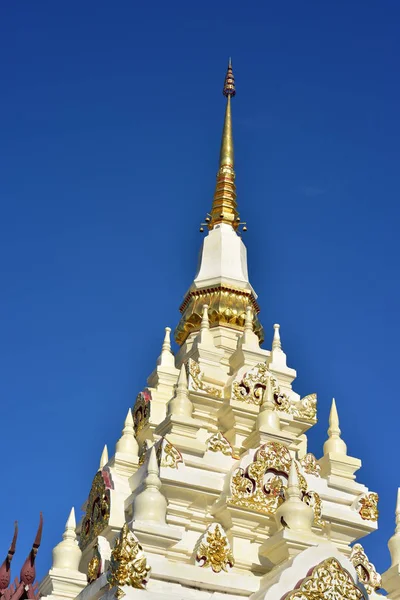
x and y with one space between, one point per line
143 452
128 564
253 384
214 550
261 486
328 581
369 507
310 465
167 454
196 382
219 443
227 307
366 571
97 511
314 500
141 410
93 570
251 388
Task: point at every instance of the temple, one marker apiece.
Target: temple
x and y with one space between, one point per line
211 491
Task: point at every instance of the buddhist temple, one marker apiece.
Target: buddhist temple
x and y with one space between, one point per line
211 491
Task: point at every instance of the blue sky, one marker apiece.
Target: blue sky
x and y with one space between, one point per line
110 129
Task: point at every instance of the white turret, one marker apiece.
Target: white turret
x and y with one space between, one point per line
334 443
67 554
127 443
335 460
293 512
180 405
166 358
150 504
268 417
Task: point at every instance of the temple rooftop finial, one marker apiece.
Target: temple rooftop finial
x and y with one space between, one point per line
224 208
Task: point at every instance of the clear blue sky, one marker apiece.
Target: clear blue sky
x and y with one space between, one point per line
111 115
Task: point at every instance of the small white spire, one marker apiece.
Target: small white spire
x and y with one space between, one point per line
276 342
398 512
127 443
103 458
249 339
150 504
180 405
293 488
394 542
205 336
166 358
268 417
334 443
67 554
293 512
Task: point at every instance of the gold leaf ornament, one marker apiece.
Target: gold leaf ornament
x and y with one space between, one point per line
214 550
328 581
128 565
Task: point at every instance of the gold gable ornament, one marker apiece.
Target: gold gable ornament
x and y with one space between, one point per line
366 571
214 550
369 506
195 380
261 486
141 410
328 581
218 443
167 454
251 388
97 509
128 564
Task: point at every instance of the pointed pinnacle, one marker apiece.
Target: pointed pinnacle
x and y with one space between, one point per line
104 457
129 420
398 511
166 358
293 488
334 443
182 384
71 521
334 428
152 465
276 342
70 526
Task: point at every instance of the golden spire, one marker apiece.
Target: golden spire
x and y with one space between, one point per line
224 204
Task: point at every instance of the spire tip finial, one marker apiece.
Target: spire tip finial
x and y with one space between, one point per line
229 84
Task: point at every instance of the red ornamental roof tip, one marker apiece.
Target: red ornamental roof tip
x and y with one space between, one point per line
28 571
5 569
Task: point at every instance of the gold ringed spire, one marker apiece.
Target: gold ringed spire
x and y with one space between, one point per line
224 209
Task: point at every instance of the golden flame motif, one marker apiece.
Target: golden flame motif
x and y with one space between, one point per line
167 454
369 507
366 571
253 384
97 511
93 570
328 581
214 550
262 485
128 565
219 443
141 410
310 465
196 383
